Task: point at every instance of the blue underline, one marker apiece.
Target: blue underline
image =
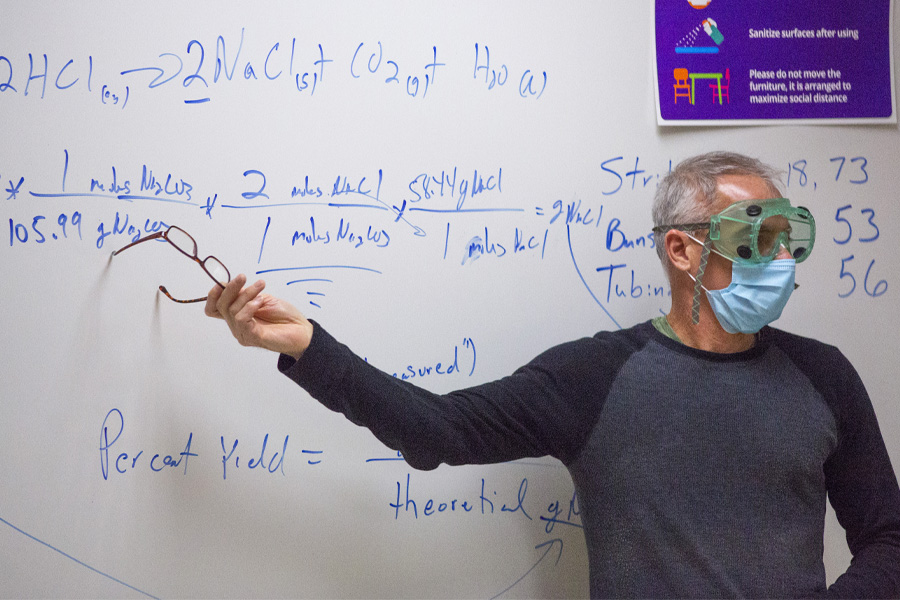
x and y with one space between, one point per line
125 197
318 267
328 204
465 210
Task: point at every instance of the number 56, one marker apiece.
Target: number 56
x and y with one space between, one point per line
879 289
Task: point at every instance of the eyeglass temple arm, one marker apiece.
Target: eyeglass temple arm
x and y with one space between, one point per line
163 289
154 236
682 227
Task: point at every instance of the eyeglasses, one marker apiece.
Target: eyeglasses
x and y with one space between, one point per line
184 243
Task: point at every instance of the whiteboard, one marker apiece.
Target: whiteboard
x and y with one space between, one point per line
460 183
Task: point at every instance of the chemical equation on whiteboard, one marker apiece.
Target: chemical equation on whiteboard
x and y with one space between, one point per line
168 187
509 243
312 217
73 75
341 232
196 69
581 214
68 226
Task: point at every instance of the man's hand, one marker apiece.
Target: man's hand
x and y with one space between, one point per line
258 319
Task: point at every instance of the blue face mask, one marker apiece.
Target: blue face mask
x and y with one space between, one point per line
756 296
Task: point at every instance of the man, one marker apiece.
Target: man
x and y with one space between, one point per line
702 444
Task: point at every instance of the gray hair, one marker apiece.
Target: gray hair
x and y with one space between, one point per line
689 192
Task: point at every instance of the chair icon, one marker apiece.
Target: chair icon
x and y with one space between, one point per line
682 87
721 90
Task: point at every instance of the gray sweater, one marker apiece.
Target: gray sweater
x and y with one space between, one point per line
698 474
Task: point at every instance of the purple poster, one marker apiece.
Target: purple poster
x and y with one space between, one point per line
763 60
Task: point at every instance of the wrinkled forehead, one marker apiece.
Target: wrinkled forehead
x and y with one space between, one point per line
735 188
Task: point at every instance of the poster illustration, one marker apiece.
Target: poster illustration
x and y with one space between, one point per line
759 61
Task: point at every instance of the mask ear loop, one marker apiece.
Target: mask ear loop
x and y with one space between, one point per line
698 286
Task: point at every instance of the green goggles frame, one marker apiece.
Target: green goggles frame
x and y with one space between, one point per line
754 231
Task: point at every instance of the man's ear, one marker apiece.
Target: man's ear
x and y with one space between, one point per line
678 249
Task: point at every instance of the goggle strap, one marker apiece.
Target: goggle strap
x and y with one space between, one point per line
698 286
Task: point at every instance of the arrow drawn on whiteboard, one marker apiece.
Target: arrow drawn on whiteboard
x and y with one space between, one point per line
549 544
587 287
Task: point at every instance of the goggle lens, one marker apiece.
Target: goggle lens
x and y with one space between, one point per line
745 233
792 232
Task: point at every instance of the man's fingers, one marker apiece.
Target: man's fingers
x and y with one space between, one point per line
248 310
227 295
212 298
257 319
245 296
237 304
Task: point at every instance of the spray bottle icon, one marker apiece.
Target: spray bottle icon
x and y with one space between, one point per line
709 26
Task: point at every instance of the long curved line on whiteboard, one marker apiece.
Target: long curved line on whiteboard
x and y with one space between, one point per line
550 544
586 286
72 558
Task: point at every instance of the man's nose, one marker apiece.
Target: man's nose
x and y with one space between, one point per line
783 252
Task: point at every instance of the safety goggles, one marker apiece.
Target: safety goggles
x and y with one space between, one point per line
754 231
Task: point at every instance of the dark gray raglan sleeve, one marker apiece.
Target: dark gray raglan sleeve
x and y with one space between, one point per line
862 487
545 408
861 482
